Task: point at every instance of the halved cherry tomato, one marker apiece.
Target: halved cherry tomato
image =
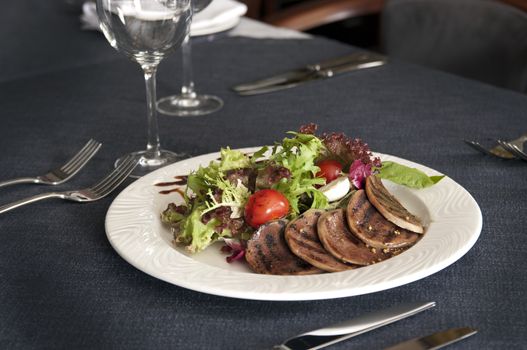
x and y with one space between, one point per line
329 169
264 206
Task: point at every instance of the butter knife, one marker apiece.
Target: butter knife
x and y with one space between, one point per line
326 69
436 340
323 337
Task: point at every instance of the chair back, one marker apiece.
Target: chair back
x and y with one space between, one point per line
478 39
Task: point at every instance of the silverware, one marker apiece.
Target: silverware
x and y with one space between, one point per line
90 194
324 70
514 149
323 337
499 151
63 173
436 340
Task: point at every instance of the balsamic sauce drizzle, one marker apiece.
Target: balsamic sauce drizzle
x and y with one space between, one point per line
181 180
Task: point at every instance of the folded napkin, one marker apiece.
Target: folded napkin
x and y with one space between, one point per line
218 13
218 16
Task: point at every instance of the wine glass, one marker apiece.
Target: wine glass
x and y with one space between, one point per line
146 31
189 103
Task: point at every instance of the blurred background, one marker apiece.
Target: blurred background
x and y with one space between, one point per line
485 40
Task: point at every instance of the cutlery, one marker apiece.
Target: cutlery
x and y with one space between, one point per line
63 173
323 337
436 340
499 151
308 73
514 149
90 194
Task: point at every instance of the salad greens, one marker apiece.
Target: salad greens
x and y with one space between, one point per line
298 154
216 195
409 177
209 189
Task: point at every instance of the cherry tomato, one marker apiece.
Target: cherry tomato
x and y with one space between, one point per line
329 169
264 206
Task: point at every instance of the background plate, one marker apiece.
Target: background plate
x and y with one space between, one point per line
135 231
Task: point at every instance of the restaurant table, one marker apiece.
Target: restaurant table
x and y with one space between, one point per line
63 286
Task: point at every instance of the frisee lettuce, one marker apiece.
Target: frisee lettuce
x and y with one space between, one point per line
298 154
194 234
191 231
233 196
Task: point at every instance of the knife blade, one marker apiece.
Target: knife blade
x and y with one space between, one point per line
354 61
436 340
323 337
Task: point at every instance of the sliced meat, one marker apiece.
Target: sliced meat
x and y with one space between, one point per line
390 207
268 253
340 242
302 238
372 228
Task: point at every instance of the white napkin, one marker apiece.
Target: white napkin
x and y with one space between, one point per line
218 16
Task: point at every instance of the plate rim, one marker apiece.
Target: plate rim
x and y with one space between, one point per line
225 291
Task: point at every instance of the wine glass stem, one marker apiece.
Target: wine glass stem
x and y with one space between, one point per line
187 89
153 146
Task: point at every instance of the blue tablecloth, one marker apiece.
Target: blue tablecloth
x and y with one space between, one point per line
63 286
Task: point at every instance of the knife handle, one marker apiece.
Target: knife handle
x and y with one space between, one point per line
328 73
354 58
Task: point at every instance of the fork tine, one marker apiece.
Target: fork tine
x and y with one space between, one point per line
519 152
513 149
103 182
82 157
116 177
118 180
478 147
74 159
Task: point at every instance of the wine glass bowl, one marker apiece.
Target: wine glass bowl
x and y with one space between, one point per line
146 31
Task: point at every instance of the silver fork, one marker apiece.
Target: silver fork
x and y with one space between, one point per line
63 173
514 149
90 194
499 151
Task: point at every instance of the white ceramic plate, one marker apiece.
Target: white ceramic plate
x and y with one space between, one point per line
216 27
135 231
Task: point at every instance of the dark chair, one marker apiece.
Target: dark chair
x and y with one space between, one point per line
478 39
314 13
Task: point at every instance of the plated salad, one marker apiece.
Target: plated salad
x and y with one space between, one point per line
308 204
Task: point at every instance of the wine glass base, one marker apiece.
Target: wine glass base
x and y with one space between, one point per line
147 163
189 106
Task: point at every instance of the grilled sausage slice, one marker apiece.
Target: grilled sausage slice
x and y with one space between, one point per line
341 243
268 253
390 207
372 228
302 238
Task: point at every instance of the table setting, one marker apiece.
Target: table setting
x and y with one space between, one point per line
101 269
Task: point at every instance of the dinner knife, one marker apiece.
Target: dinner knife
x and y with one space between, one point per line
326 69
436 340
323 337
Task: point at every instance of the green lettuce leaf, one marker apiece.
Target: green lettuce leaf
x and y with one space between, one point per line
231 159
298 154
205 178
403 175
193 233
170 216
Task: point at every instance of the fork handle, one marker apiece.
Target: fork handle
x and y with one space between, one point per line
28 200
21 180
